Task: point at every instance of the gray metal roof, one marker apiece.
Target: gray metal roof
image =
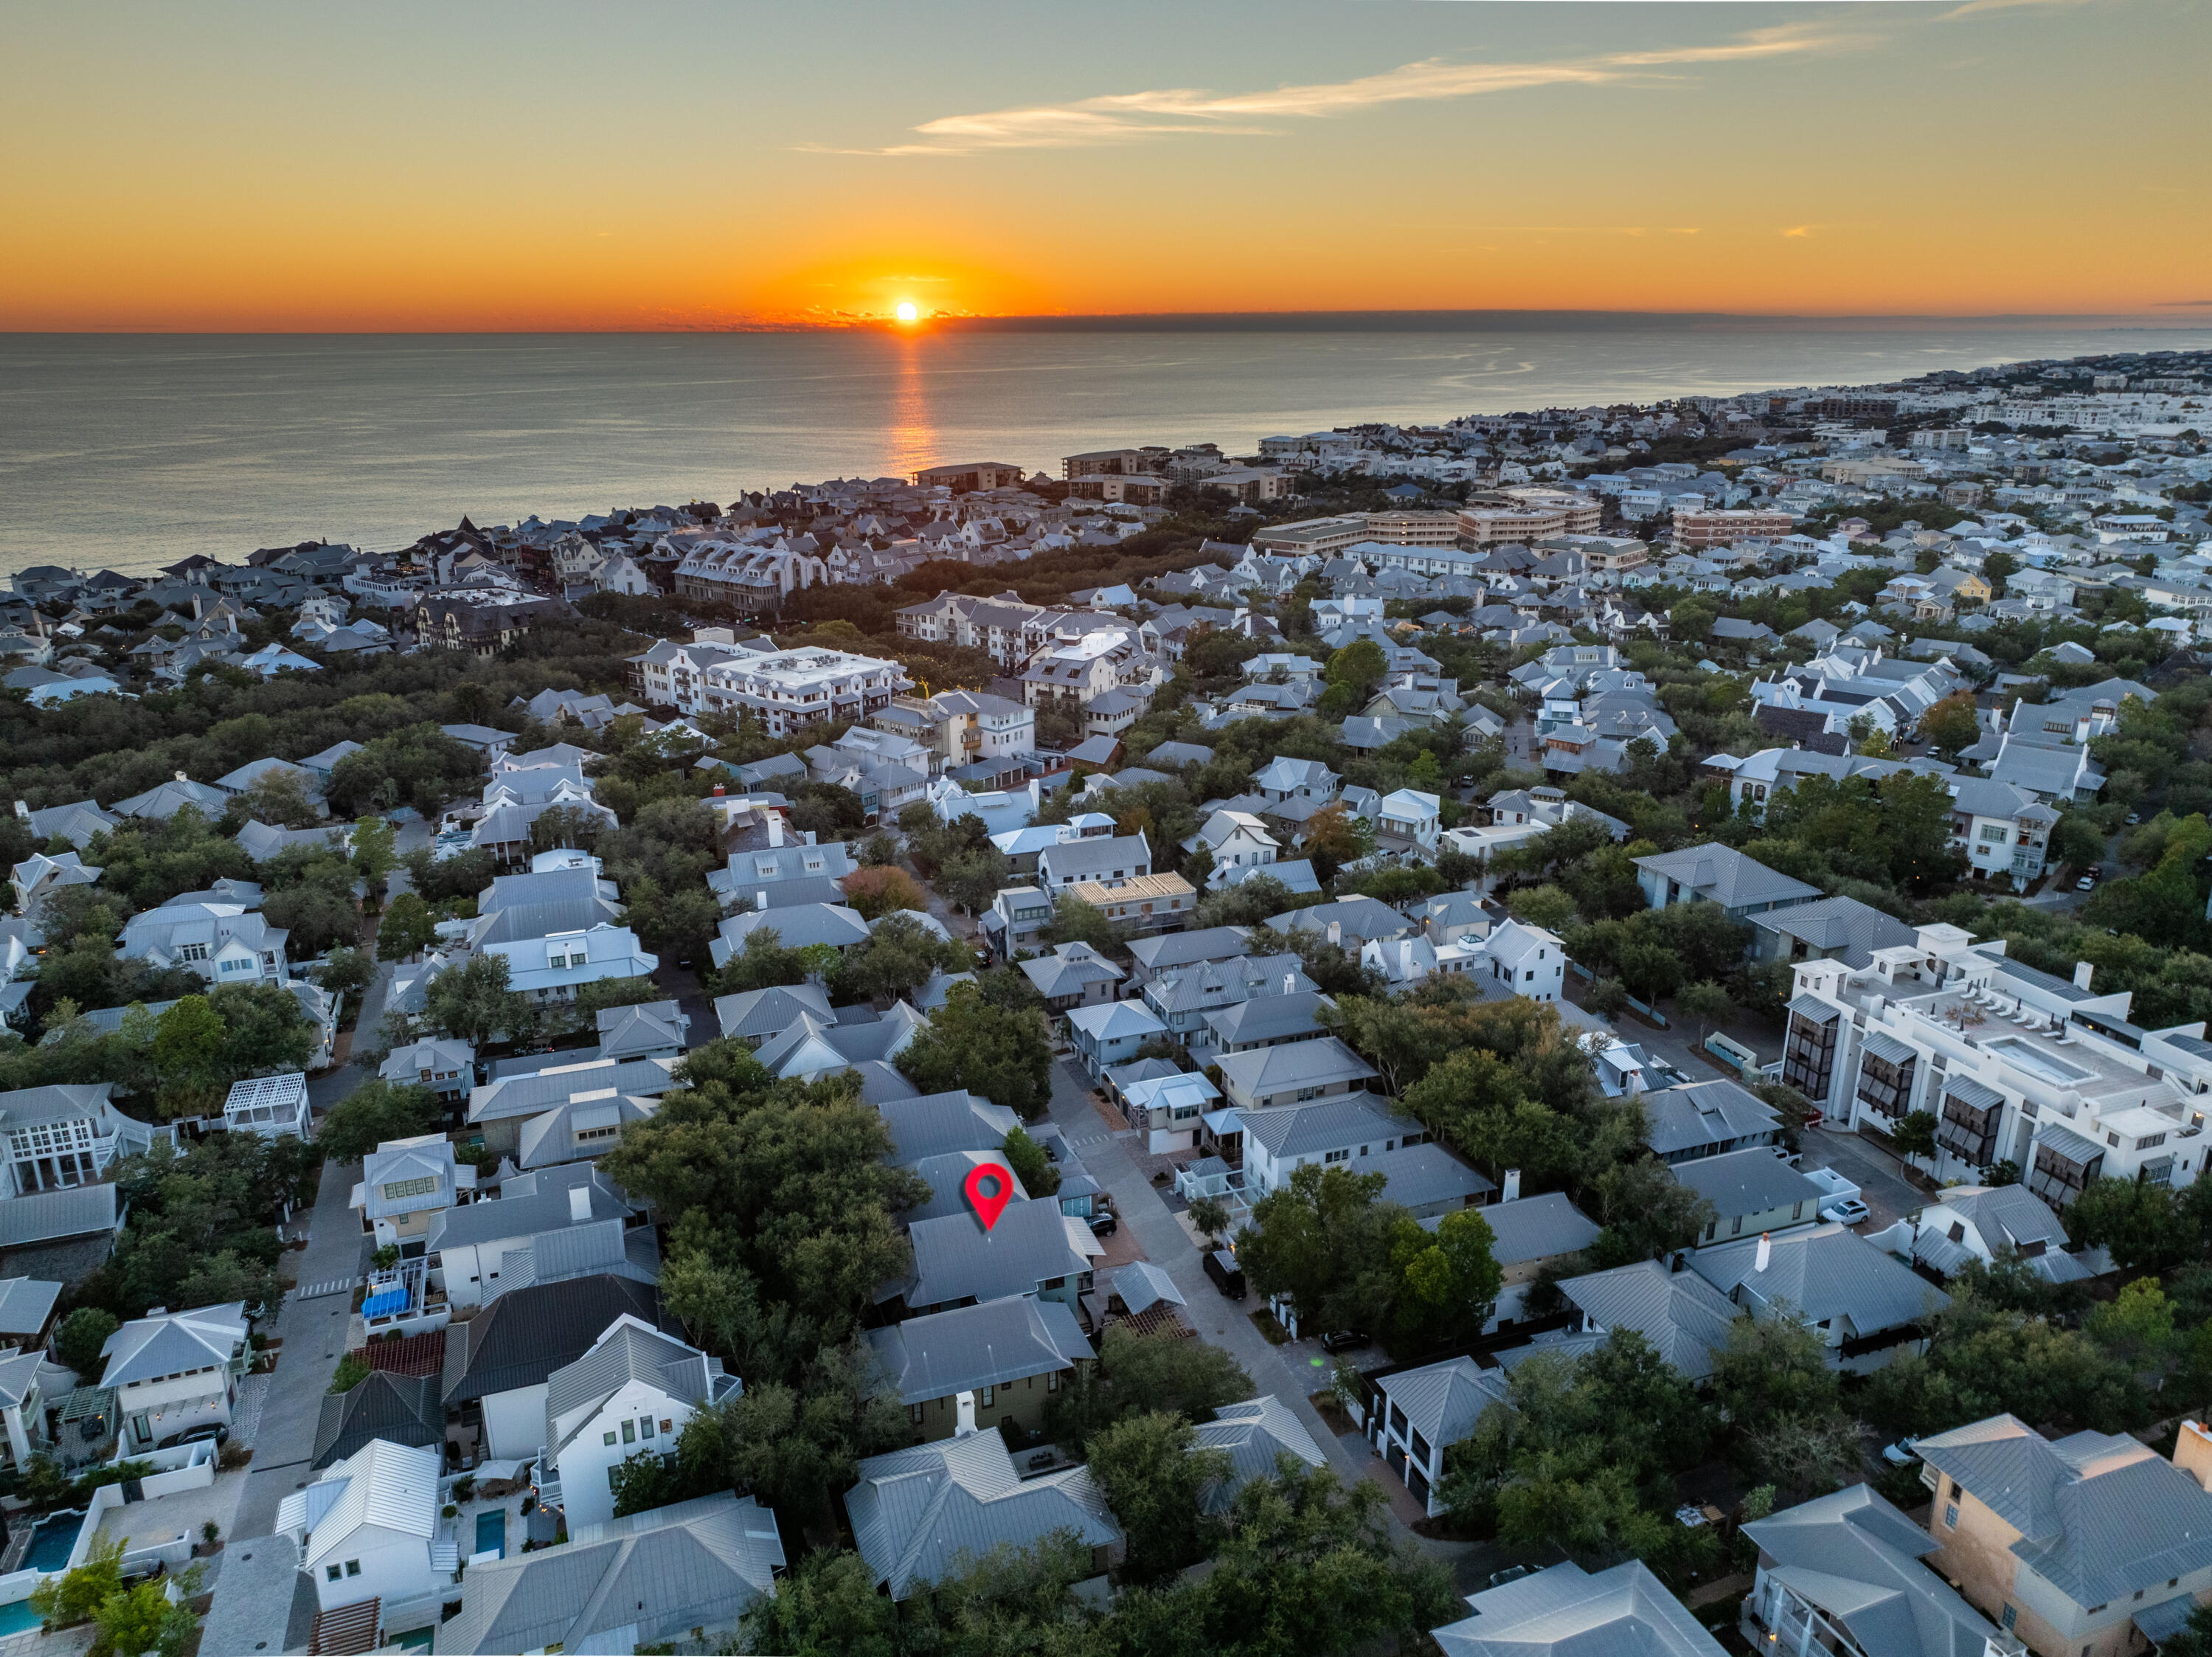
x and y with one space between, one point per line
1749 1182
624 1354
1326 1125
946 1176
1854 930
763 1013
1726 876
1443 1401
1254 1434
931 1125
398 1409
522 1338
2003 1214
1626 1612
955 1260
1169 949
1705 1113
543 1090
1859 1561
1269 1018
1421 1176
2100 1514
1682 1315
648 1578
917 1515
1825 1273
1268 1070
526 1215
1536 1228
989 1344
47 1216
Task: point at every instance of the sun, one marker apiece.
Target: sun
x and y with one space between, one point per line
906 310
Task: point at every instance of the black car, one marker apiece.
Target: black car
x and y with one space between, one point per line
1345 1340
1104 1225
1228 1276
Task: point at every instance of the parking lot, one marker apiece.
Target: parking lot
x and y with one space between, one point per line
1887 1195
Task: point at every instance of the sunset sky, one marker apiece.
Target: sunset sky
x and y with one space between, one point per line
299 166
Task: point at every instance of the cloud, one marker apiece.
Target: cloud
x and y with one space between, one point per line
1980 7
2183 304
1129 117
1801 230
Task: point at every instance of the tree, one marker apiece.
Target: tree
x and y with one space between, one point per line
1074 921
1325 1241
83 1333
1004 1054
1334 835
1984 1360
276 798
470 1000
1545 906
2135 1328
1705 1001
879 891
188 1050
974 879
406 929
141 1619
1140 1373
899 953
343 971
1915 1136
1606 997
828 1605
72 1597
1210 1215
1953 723
2144 1227
373 1112
762 964
1154 1474
373 856
794 1446
1039 1175
1773 1367
1448 1283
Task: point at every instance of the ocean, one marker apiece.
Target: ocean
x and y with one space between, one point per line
133 451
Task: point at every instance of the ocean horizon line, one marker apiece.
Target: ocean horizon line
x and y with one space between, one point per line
2175 316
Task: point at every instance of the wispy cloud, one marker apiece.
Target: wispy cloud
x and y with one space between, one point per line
1800 231
1129 117
1981 8
2183 304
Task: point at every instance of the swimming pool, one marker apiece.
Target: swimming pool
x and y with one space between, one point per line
52 1538
17 1617
491 1531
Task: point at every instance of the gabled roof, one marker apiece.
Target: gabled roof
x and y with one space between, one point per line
524 1336
1726 876
763 1013
989 1344
1537 1227
381 1486
1749 1182
955 1260
1166 950
1265 1070
916 1513
26 1303
627 1351
648 1578
1844 924
399 1408
1705 1113
2002 1214
931 1125
1444 1401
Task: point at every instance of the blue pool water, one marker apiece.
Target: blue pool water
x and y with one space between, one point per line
51 1539
491 1531
17 1617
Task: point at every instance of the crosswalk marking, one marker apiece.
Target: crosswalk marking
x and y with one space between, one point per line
316 1291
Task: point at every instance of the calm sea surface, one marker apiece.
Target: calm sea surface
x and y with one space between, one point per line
134 450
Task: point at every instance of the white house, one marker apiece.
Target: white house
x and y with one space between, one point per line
1526 960
173 1371
1237 839
271 1106
630 1395
369 1529
549 969
1408 820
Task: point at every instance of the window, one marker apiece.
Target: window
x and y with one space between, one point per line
913 1414
1328 1157
645 1426
395 1188
1995 834
985 1396
332 1572
1951 1522
193 951
353 1568
2010 1615
607 1438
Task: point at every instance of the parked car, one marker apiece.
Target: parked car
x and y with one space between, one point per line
2134 818
1345 1340
1850 1211
1900 1454
214 1431
2087 883
1104 1225
1228 1276
1511 1574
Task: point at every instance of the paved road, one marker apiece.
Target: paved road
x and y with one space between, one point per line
1882 1188
283 1441
1287 1370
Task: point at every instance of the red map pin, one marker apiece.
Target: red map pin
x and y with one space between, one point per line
989 1187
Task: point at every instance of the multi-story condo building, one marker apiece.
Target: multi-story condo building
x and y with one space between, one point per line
788 690
673 675
2016 1065
1702 526
1526 516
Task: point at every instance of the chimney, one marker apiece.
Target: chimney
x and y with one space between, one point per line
580 1204
181 777
1512 1186
1766 1253
808 835
2192 1452
720 793
2082 972
23 810
775 828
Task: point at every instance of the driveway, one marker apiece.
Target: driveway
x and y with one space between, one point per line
1885 1191
1290 1372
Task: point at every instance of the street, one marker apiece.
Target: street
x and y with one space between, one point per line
1291 1372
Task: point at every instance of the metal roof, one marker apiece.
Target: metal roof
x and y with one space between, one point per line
1682 1315
399 1409
1253 1434
1726 876
955 1260
1827 1272
989 1344
45 1216
1858 1560
1307 1063
1626 1612
1536 1228
524 1336
1443 1401
2100 1514
1748 1182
